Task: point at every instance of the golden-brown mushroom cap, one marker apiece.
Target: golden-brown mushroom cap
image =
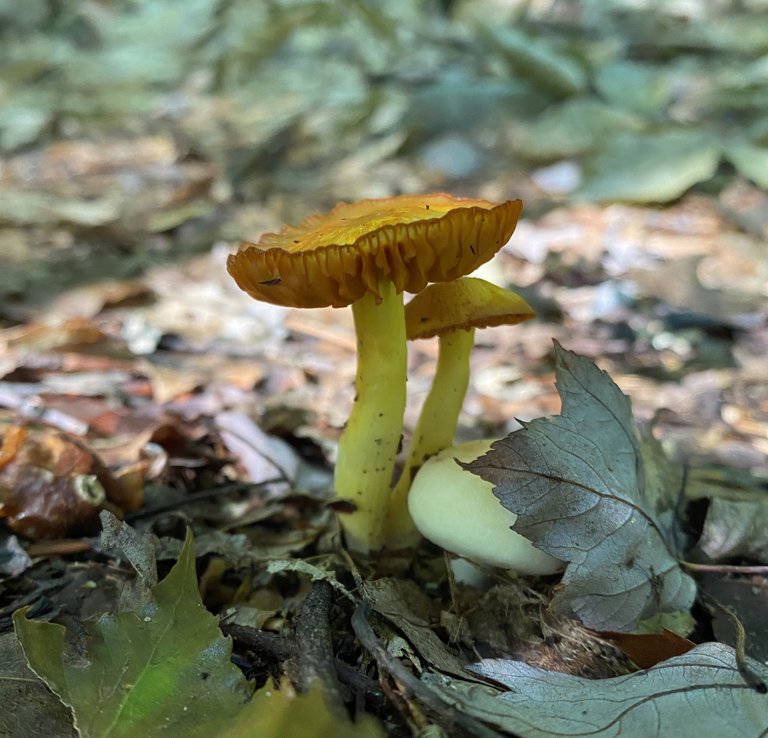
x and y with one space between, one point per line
463 304
335 259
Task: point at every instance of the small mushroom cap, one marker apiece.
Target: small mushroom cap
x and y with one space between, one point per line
466 303
336 258
458 511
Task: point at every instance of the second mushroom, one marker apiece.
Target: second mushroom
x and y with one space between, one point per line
451 311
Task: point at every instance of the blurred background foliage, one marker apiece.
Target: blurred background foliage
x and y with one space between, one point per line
207 119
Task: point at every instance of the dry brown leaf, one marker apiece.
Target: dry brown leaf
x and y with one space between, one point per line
648 649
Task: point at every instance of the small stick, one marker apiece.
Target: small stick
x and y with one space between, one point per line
274 647
752 680
725 568
297 324
446 715
266 645
62 547
200 496
315 646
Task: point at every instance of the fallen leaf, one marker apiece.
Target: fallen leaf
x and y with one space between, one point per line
701 693
399 601
14 560
650 167
573 127
52 486
262 456
166 664
165 668
750 160
52 336
537 60
636 86
578 483
29 708
677 283
140 549
281 713
13 438
648 649
736 528
736 523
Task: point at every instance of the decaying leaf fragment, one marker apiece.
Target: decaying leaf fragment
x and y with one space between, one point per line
700 693
49 484
28 705
583 492
737 514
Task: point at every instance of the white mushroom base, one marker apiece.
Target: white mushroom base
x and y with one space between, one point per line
458 511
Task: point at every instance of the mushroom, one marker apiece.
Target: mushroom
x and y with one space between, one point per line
365 254
451 311
458 511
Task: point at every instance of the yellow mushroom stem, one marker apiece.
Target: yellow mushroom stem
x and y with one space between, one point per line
434 430
369 443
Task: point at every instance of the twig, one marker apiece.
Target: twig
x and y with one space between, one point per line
200 496
315 647
266 645
269 646
443 713
725 568
297 324
357 681
751 679
62 547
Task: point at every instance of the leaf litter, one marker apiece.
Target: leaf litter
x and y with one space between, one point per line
164 665
194 457
136 367
174 432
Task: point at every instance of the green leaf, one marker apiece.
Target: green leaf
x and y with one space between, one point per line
571 128
162 669
663 483
21 125
702 693
642 88
750 160
537 61
579 485
650 167
274 713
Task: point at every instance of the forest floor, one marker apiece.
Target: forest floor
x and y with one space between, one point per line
139 384
207 409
